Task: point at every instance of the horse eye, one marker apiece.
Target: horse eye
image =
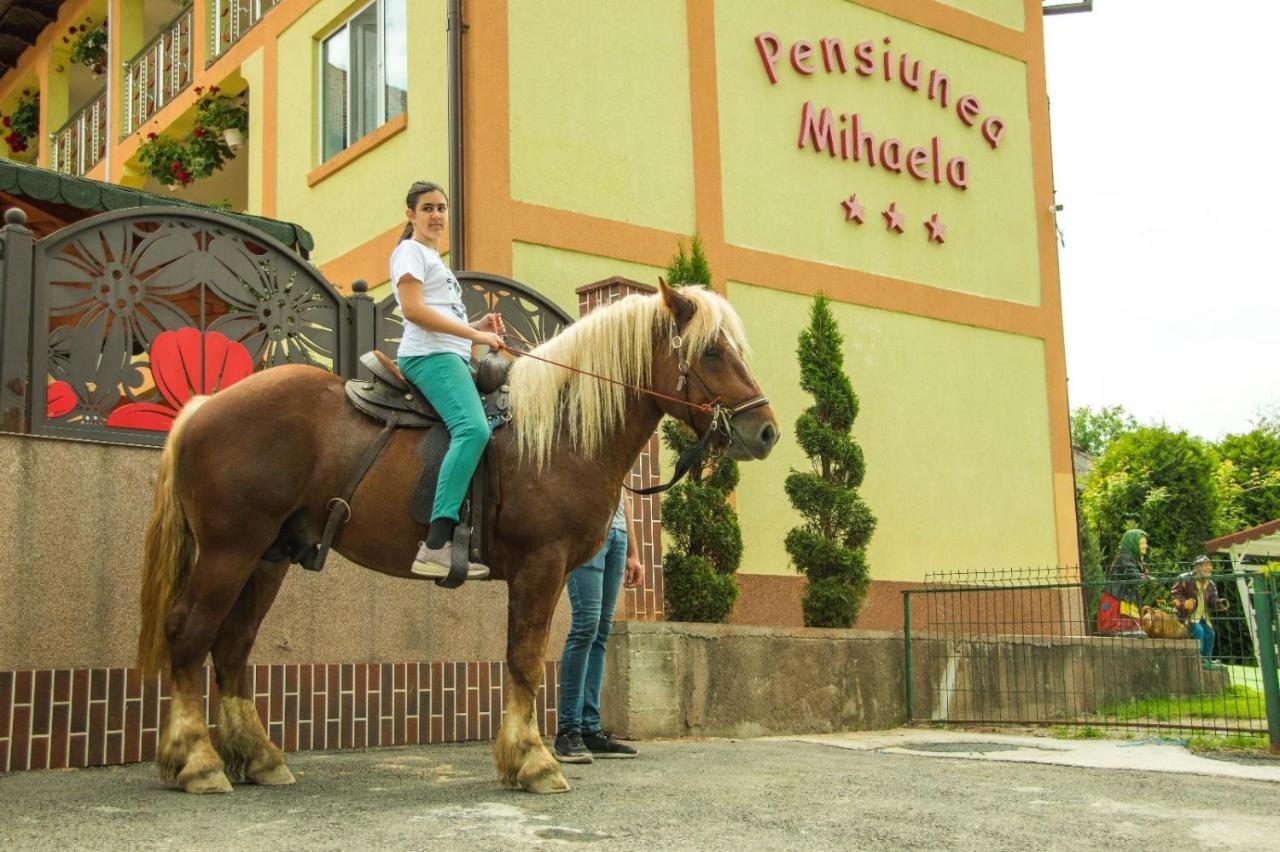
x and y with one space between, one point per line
713 351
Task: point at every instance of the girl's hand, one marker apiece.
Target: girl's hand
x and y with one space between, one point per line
490 322
488 338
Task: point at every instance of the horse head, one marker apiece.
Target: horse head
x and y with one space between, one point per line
700 358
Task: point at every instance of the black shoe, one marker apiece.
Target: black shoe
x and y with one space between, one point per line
602 744
570 749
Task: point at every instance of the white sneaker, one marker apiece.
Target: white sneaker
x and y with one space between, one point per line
435 563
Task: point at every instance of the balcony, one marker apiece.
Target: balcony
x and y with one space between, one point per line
81 143
159 72
231 19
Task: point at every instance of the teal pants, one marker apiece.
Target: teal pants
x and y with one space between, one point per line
445 380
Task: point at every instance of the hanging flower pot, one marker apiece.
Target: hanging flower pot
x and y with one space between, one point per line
233 136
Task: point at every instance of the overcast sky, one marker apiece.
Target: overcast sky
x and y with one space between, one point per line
1166 158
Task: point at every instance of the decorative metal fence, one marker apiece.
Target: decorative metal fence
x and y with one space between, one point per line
159 72
81 143
108 326
1042 648
231 19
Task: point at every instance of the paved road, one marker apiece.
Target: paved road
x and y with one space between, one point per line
715 794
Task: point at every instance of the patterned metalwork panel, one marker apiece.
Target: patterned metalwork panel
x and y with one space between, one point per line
137 311
524 311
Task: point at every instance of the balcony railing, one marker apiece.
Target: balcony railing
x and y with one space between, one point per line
231 19
159 72
81 143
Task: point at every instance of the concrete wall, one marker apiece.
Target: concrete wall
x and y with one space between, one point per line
70 548
671 680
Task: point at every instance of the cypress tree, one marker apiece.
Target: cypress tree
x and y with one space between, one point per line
830 547
706 539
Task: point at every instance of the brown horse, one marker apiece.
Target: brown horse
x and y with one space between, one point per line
225 522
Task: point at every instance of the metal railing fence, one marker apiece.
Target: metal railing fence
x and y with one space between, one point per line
158 72
1043 648
231 19
81 143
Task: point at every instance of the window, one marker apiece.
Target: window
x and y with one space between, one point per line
364 74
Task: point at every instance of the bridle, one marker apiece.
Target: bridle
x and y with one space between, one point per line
722 415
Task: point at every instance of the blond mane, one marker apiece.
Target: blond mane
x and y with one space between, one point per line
615 341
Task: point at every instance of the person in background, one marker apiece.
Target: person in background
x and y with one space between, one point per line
1118 613
593 592
1195 596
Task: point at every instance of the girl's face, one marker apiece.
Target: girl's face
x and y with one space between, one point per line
1142 544
430 218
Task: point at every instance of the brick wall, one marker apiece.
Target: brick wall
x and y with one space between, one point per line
51 719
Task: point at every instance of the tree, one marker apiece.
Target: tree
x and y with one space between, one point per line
1253 473
1161 481
706 538
1093 431
830 547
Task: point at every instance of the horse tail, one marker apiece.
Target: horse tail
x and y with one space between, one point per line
170 551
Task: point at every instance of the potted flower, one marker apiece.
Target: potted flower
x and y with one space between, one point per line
89 45
222 115
166 159
23 123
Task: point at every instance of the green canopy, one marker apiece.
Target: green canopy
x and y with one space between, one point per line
40 184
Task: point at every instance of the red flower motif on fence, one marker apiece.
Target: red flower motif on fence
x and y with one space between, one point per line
59 400
185 363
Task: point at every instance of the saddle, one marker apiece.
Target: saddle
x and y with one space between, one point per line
397 404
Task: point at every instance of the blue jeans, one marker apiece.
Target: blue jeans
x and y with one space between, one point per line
1202 631
593 592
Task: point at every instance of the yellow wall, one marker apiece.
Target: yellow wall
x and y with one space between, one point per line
365 198
600 118
953 424
556 273
1009 13
781 199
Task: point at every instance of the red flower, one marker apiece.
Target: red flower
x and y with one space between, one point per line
151 136
198 132
199 90
7 123
213 90
59 400
184 363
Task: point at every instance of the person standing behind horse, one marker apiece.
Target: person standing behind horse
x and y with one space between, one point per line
435 354
1195 598
593 593
1118 610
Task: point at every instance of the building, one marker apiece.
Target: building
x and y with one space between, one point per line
894 156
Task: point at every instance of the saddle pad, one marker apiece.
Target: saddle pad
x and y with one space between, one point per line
434 444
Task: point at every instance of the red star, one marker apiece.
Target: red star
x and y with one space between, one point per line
852 209
936 229
892 218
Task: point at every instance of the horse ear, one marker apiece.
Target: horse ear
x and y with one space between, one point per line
681 308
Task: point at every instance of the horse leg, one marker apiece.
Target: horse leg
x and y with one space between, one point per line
242 741
185 753
523 761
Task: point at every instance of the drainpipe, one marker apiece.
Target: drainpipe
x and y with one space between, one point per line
457 195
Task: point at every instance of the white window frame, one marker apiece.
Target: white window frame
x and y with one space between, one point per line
329 33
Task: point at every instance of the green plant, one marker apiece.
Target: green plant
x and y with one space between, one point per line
166 159
698 569
830 547
1254 475
1158 480
1093 431
89 45
218 112
24 122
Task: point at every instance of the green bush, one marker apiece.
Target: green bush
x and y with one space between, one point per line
1255 470
1160 481
829 548
705 537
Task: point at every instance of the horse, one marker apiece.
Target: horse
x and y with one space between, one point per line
226 520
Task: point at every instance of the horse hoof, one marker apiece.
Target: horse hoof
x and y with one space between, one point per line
273 777
551 782
210 782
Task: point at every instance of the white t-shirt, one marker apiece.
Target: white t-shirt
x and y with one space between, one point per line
441 292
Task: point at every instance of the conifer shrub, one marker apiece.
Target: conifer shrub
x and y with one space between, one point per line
830 547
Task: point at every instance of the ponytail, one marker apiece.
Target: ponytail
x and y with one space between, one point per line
419 188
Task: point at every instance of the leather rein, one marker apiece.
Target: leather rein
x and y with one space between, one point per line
721 414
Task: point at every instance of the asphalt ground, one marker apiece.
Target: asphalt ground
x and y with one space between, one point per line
688 794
